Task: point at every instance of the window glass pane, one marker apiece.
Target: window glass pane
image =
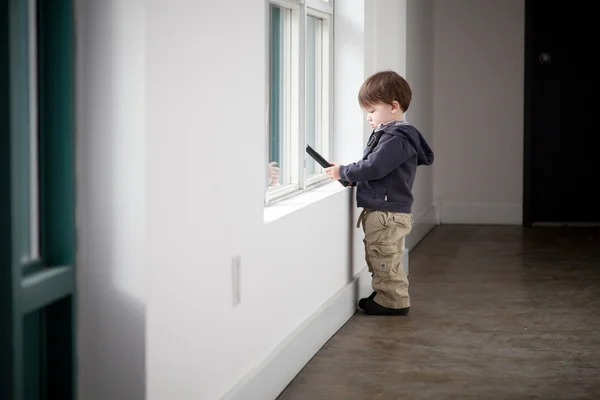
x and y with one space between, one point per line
26 139
279 116
313 92
22 95
34 240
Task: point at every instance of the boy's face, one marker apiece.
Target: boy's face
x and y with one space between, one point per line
381 113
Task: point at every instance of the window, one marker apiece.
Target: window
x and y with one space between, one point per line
300 89
37 224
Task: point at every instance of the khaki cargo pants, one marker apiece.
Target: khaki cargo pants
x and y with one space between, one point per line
384 243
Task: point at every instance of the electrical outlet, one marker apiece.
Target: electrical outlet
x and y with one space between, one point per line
236 290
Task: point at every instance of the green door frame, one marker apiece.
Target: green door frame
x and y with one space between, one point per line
37 297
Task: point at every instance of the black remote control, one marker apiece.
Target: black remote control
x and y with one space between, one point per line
322 162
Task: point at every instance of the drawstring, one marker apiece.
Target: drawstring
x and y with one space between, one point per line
360 218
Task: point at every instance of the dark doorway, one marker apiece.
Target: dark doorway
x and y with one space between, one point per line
562 111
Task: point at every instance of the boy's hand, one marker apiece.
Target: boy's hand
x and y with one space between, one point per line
333 172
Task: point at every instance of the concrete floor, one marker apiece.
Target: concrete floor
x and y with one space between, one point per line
496 313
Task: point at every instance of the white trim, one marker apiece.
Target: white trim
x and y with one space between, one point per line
278 192
267 32
290 4
279 368
299 78
482 213
321 129
290 36
315 104
320 5
315 179
327 73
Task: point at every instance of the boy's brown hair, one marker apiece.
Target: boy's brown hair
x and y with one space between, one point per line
385 87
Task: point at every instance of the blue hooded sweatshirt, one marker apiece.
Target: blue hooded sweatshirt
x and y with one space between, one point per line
385 175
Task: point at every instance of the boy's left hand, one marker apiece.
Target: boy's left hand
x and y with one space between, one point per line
333 172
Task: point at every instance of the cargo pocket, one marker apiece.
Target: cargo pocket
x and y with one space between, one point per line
383 259
405 220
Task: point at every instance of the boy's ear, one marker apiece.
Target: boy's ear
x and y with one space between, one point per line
395 106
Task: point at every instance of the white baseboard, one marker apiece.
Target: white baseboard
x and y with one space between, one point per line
272 376
481 213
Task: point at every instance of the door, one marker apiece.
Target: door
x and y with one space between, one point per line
36 200
562 169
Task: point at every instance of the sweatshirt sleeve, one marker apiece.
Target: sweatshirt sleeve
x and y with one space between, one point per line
390 152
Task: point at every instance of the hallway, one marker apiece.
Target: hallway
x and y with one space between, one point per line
497 313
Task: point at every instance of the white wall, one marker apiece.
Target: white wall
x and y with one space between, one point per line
110 177
171 126
205 169
352 35
478 110
400 37
386 35
419 74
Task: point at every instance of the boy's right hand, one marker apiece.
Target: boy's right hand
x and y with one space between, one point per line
333 172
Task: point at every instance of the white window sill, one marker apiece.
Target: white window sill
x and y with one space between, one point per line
285 207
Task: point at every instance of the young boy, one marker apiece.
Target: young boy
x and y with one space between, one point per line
384 178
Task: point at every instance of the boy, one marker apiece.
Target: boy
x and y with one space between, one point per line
384 178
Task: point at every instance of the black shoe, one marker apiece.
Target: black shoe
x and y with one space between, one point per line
361 302
372 308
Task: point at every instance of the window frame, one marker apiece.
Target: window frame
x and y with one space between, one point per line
37 314
295 110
